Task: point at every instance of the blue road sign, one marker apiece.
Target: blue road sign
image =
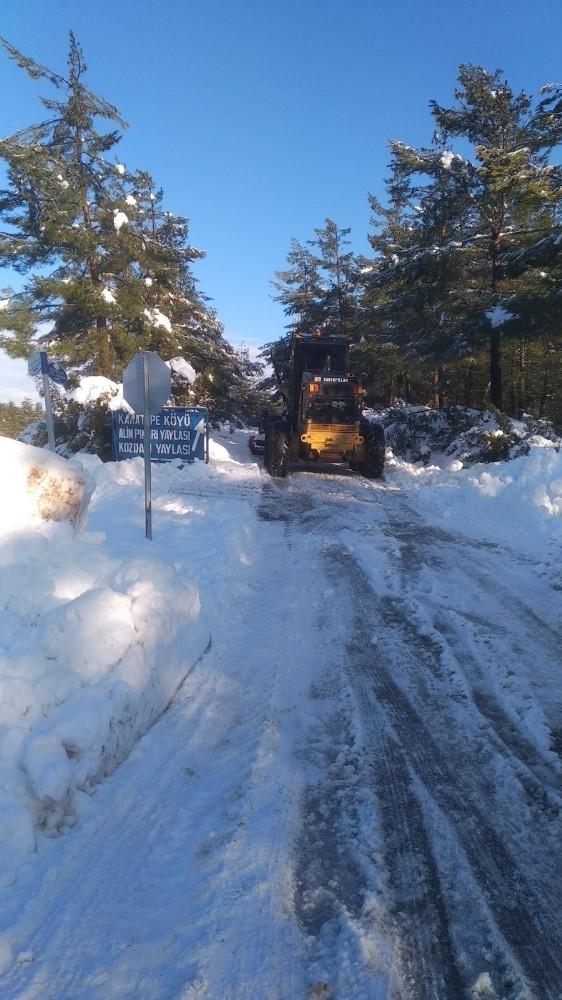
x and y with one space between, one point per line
175 432
37 363
56 372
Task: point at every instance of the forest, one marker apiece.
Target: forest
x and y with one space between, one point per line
459 302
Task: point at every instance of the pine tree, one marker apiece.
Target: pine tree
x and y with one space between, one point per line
319 290
339 278
511 185
110 266
15 416
299 289
438 281
60 208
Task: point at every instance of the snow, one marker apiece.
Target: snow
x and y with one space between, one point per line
181 367
131 200
108 296
518 502
148 282
447 158
353 792
84 671
4 303
119 219
38 485
120 168
93 386
157 318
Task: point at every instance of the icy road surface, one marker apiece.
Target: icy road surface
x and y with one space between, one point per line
356 793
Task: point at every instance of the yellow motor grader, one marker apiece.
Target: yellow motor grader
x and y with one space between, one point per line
323 420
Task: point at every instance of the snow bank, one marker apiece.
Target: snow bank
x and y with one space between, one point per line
179 366
518 503
93 386
157 318
92 649
38 484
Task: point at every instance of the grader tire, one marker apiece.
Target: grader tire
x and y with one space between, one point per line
373 466
277 450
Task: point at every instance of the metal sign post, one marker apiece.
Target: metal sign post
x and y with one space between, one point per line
147 460
146 387
48 407
39 364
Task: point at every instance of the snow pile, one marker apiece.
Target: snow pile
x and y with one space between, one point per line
421 434
157 318
119 219
92 649
183 369
39 485
93 387
518 503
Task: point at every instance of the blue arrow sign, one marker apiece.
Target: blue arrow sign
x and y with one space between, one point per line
175 432
39 364
56 372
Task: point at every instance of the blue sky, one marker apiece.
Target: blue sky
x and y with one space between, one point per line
260 118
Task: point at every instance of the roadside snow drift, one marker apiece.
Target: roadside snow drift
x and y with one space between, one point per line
36 483
92 647
517 503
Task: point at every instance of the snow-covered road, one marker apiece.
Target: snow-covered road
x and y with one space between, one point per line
357 791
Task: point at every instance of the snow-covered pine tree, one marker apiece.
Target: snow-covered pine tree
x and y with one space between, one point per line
512 188
421 284
109 265
437 282
61 212
339 274
299 289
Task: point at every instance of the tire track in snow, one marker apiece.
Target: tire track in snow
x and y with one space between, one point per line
506 622
522 915
524 919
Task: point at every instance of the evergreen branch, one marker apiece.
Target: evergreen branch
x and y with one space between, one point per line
35 70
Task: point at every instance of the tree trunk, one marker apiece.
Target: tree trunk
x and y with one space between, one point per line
512 397
522 382
468 385
391 391
439 396
407 388
544 395
496 385
104 361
